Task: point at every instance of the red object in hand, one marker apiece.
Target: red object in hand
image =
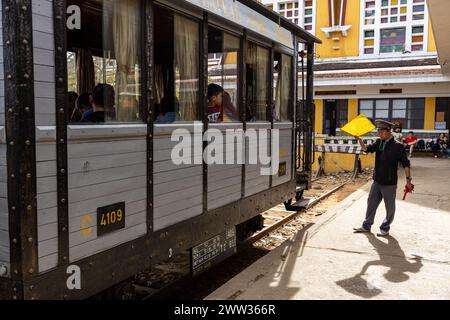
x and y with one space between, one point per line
407 190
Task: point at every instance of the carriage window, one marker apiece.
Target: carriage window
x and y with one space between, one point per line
223 50
107 59
257 65
282 88
176 71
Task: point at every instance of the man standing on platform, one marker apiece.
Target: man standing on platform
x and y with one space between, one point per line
388 153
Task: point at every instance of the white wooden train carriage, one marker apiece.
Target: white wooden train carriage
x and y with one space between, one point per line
104 198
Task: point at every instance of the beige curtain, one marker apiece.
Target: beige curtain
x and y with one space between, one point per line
277 93
126 32
285 86
158 84
186 67
261 83
85 71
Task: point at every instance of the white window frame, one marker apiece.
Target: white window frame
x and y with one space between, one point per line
303 16
378 26
299 10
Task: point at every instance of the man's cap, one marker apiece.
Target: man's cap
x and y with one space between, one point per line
383 124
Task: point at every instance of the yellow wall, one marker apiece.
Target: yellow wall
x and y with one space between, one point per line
318 116
352 109
431 41
430 113
339 162
348 46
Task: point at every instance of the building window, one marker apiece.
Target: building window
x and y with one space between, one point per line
299 12
308 19
393 26
394 11
392 40
409 112
289 10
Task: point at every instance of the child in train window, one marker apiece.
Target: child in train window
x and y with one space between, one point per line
215 97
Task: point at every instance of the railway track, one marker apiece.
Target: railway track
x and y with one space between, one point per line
280 217
158 283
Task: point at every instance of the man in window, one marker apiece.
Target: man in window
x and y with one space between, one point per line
215 95
102 104
388 153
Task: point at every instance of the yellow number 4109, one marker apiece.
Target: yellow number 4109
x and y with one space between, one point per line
111 217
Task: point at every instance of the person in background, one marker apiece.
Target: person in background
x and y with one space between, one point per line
445 147
167 107
71 103
215 95
410 142
398 136
102 104
83 104
437 146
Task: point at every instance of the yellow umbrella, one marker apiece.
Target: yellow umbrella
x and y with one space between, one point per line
358 126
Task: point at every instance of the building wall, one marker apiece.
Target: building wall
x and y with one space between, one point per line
431 40
428 122
345 46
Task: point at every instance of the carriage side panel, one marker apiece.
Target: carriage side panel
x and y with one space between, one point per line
104 171
285 154
4 220
178 188
254 181
44 88
224 180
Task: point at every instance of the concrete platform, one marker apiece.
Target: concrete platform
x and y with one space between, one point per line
328 261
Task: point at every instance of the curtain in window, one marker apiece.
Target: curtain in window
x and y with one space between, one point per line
85 71
159 84
186 67
285 90
126 32
261 83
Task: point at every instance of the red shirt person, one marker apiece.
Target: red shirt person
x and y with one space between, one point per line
410 141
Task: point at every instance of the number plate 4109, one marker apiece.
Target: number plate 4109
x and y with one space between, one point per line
110 218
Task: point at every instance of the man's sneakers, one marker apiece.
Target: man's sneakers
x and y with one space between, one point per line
360 230
383 233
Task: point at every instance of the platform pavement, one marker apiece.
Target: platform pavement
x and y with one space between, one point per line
328 261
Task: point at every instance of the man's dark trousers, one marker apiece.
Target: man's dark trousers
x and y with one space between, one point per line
377 193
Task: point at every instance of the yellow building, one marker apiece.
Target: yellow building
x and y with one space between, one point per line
378 57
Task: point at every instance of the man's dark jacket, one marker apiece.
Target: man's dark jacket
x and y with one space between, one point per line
387 156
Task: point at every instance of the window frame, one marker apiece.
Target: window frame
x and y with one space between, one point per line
199 22
409 24
390 109
292 83
264 45
239 71
144 70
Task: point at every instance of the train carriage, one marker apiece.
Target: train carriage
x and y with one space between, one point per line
87 203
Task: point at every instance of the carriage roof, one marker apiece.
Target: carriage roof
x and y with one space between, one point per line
258 18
